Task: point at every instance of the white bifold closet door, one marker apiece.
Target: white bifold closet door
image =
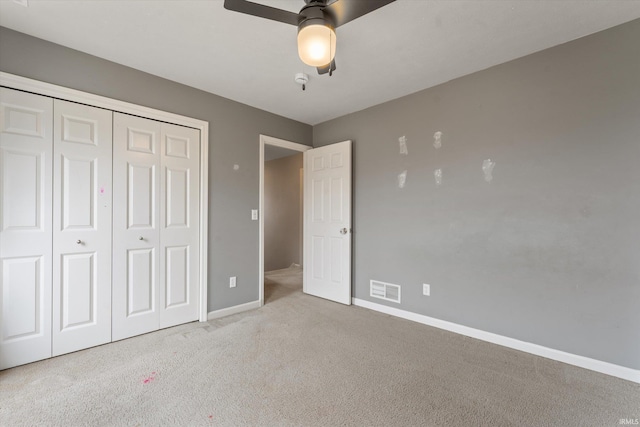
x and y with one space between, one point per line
156 225
26 150
81 227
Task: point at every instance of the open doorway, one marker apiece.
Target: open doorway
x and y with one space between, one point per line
281 217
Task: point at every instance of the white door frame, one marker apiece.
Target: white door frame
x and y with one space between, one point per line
60 92
269 140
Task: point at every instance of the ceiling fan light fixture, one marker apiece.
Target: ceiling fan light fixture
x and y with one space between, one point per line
316 42
316 24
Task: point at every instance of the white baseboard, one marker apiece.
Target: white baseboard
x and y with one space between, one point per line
233 310
550 353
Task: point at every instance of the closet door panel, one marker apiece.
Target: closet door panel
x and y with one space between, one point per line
136 235
26 149
180 225
82 227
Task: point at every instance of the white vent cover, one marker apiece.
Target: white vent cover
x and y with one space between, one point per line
385 291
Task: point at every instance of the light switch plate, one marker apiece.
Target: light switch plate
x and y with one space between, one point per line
254 214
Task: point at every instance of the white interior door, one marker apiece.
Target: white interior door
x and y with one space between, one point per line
156 225
136 225
179 218
82 227
327 220
26 149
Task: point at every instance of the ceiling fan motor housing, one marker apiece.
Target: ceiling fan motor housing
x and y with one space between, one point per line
315 13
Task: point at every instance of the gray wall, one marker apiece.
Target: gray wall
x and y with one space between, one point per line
233 139
282 213
549 251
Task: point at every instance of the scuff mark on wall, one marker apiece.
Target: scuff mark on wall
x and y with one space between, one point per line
438 176
487 169
437 140
402 179
402 142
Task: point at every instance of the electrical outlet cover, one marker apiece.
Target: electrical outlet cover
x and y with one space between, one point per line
426 289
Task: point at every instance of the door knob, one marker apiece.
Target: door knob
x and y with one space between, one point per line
343 231
79 242
140 238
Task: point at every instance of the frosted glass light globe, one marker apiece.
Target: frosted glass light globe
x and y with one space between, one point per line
316 45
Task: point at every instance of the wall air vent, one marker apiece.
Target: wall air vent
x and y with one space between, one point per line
385 291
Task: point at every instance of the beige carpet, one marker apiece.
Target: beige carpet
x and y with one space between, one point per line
303 361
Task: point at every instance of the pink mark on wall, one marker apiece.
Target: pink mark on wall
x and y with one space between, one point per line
101 190
149 378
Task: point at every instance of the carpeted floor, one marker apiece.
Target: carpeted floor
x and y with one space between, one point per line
303 361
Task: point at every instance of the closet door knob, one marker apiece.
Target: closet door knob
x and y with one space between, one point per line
140 238
79 242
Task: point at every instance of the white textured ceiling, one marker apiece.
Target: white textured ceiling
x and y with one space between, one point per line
402 48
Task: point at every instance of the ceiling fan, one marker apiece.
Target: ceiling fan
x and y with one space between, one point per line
316 24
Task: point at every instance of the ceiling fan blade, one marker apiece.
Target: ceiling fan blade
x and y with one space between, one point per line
262 11
347 10
327 68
